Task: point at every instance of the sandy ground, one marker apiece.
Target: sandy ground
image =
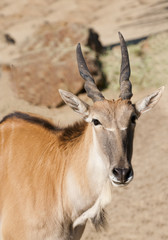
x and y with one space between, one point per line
139 211
134 18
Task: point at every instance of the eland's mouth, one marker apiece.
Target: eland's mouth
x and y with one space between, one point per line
118 183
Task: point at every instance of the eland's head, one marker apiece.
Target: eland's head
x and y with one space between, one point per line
112 121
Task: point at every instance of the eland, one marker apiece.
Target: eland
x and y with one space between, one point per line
52 179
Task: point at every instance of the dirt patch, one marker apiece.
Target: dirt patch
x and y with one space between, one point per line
47 62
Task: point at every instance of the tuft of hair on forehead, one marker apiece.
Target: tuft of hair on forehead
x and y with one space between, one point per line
105 104
124 106
123 101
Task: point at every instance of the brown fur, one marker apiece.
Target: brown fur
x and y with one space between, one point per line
72 134
32 169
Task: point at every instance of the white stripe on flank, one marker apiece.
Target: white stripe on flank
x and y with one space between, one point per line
10 153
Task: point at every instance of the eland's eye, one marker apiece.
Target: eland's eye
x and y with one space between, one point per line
133 119
96 122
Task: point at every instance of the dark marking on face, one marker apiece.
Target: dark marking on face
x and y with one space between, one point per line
116 132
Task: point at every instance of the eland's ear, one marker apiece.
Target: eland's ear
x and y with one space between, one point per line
149 102
75 103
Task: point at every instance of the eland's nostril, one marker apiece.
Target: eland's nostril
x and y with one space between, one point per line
122 174
117 172
127 173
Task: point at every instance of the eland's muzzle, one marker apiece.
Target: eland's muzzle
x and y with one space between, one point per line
122 176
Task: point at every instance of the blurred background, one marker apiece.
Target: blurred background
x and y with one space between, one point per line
38 39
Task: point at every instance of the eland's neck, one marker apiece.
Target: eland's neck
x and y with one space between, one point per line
86 173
